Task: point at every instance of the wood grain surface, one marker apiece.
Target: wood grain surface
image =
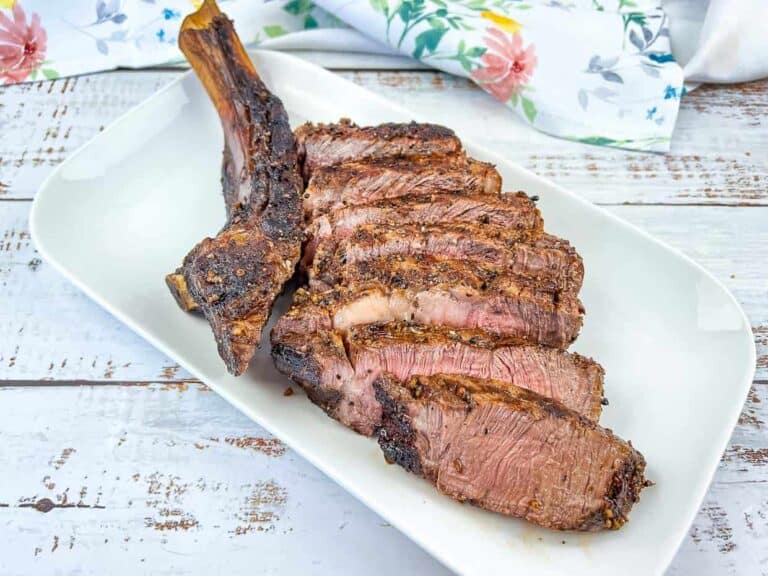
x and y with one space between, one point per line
116 461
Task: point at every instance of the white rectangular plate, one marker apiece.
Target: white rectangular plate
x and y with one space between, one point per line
678 351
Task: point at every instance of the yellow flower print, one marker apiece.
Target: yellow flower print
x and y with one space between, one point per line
504 22
7 3
195 3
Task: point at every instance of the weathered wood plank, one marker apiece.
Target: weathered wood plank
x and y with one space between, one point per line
172 480
43 122
730 534
175 468
719 156
52 331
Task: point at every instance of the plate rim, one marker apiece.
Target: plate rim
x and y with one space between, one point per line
49 256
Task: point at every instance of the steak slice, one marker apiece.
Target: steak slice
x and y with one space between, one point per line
328 144
338 371
509 450
440 293
354 183
235 277
545 258
516 213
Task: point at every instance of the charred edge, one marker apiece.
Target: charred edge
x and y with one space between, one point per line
282 214
386 131
301 367
624 491
395 434
228 182
223 30
377 333
420 131
390 131
232 51
231 352
282 197
331 266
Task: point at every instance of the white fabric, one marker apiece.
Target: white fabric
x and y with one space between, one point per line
720 40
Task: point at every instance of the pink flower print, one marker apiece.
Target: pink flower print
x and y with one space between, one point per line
22 45
507 66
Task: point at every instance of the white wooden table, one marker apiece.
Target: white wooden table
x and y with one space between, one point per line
113 460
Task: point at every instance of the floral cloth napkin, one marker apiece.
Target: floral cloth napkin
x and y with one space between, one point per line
594 71
599 72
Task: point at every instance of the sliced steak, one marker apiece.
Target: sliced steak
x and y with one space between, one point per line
516 213
355 183
509 450
545 258
328 144
339 370
441 293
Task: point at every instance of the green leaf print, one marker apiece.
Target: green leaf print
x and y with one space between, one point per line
50 74
428 40
305 8
406 12
598 140
298 6
416 12
274 30
380 6
529 108
435 22
467 58
477 51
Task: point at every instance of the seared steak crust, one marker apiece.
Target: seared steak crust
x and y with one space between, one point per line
343 367
440 293
509 450
355 183
235 277
322 145
406 271
515 213
545 258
